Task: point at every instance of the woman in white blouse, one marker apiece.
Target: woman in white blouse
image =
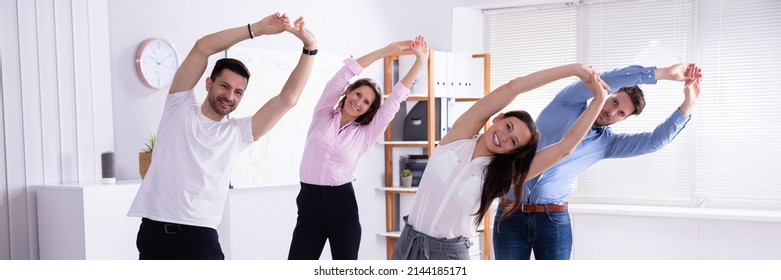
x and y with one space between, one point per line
468 170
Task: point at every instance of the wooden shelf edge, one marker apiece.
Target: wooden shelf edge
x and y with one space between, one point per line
410 144
398 189
390 234
402 142
411 97
397 234
425 98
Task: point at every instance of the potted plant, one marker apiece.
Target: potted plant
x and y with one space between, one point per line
406 178
145 156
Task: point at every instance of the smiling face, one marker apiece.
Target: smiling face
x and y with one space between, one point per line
358 101
618 107
225 93
506 135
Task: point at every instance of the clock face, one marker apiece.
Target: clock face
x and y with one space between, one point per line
156 63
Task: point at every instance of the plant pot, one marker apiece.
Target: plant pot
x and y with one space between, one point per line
144 160
406 182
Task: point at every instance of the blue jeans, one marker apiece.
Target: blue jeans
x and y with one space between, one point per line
549 235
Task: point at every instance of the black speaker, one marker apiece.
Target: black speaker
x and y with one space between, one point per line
107 167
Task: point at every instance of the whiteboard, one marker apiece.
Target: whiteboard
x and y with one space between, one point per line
274 159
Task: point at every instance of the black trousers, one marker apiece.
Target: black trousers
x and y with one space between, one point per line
326 213
168 241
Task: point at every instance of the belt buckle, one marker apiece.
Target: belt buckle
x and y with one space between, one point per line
172 228
523 210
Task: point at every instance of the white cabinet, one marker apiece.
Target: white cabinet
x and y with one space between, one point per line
90 222
87 221
455 75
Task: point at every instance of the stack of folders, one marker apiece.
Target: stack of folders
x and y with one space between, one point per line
416 163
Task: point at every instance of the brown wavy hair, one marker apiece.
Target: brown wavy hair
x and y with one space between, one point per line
367 117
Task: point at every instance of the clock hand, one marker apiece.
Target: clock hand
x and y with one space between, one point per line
164 59
167 66
155 59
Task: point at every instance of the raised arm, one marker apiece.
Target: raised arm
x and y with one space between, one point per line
271 112
554 153
388 109
420 48
391 49
676 72
691 90
194 64
469 123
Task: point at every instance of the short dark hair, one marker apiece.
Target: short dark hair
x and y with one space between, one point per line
367 117
231 64
637 97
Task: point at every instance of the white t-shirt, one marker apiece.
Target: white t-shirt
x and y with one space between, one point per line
192 164
449 191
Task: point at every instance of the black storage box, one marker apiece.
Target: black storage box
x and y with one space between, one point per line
416 163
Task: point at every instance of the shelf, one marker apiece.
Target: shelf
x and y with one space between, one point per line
475 99
390 234
399 190
392 192
397 234
412 97
414 144
425 98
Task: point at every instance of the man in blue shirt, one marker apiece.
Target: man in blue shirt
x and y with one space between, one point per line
543 222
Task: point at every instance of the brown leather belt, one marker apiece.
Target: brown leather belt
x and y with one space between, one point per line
543 208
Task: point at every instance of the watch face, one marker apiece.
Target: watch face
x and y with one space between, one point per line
156 63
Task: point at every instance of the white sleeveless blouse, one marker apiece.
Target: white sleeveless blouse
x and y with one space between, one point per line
449 191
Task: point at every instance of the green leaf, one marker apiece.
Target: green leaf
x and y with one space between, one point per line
150 144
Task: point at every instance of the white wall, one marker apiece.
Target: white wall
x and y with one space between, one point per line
5 245
138 109
340 30
68 81
56 116
61 59
632 232
377 23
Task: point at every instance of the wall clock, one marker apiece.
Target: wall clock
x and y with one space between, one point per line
156 62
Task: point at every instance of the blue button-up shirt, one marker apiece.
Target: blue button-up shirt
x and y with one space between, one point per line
553 185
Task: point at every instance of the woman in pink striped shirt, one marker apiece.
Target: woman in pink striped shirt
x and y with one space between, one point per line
337 138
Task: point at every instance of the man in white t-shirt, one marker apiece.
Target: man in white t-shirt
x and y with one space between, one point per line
182 197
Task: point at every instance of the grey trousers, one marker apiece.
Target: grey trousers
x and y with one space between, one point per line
414 245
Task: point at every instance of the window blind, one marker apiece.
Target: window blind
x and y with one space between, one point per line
738 129
528 39
608 35
656 33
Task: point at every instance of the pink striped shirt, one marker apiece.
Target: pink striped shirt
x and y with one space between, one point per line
330 156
